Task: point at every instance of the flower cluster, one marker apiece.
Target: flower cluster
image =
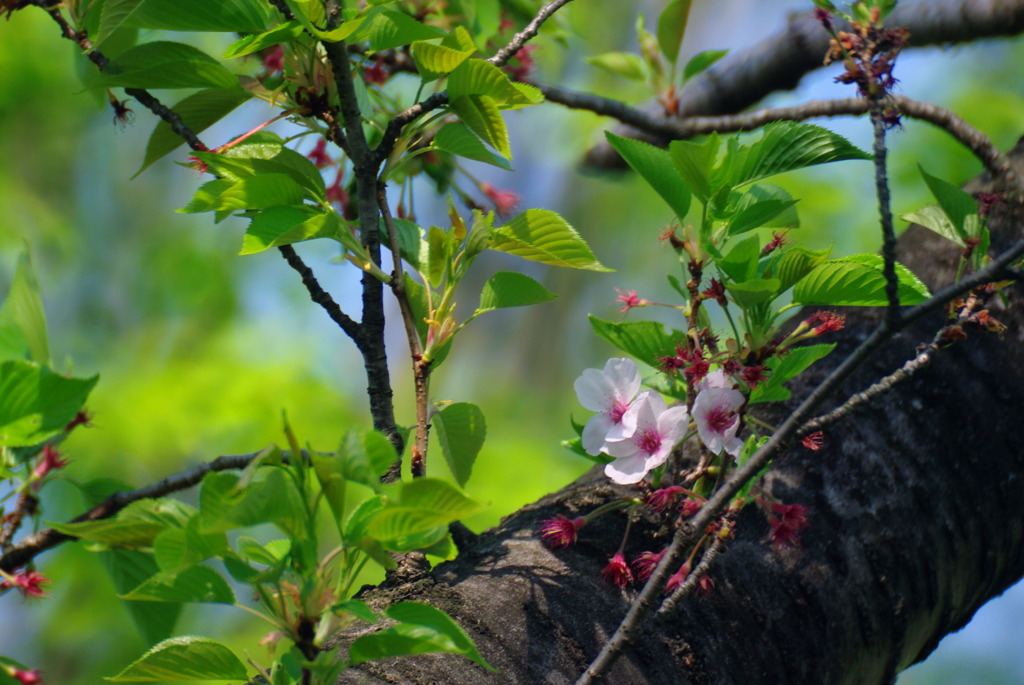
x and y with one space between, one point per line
639 430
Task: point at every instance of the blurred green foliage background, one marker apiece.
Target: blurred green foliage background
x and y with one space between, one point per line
200 350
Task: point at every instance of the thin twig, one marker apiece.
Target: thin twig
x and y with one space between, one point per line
35 544
631 626
320 296
502 56
420 369
691 580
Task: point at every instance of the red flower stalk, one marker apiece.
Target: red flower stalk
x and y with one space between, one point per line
505 201
617 571
677 578
82 418
813 441
50 461
828 322
786 520
645 563
779 239
689 507
30 584
986 201
560 531
662 498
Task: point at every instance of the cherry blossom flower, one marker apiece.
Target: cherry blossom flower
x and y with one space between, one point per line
752 375
657 430
779 239
714 411
560 531
273 60
689 507
705 584
716 292
715 379
644 564
608 392
617 571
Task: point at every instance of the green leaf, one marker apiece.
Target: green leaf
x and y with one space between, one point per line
128 569
425 505
645 340
740 263
386 28
956 204
244 16
461 430
184 658
365 456
255 192
284 225
797 262
22 318
543 236
694 162
856 281
672 27
753 292
434 61
786 368
284 33
113 531
477 77
784 146
510 289
36 403
624 64
165 64
266 154
194 584
198 111
179 548
657 168
933 218
457 139
417 613
701 62
481 115
758 213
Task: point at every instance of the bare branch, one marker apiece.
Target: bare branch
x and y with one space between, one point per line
892 284
502 56
35 544
660 130
319 295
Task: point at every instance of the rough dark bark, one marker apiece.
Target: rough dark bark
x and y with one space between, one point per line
917 520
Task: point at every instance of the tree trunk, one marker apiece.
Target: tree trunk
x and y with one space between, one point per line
916 521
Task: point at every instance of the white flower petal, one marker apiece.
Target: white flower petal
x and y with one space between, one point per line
594 433
627 471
